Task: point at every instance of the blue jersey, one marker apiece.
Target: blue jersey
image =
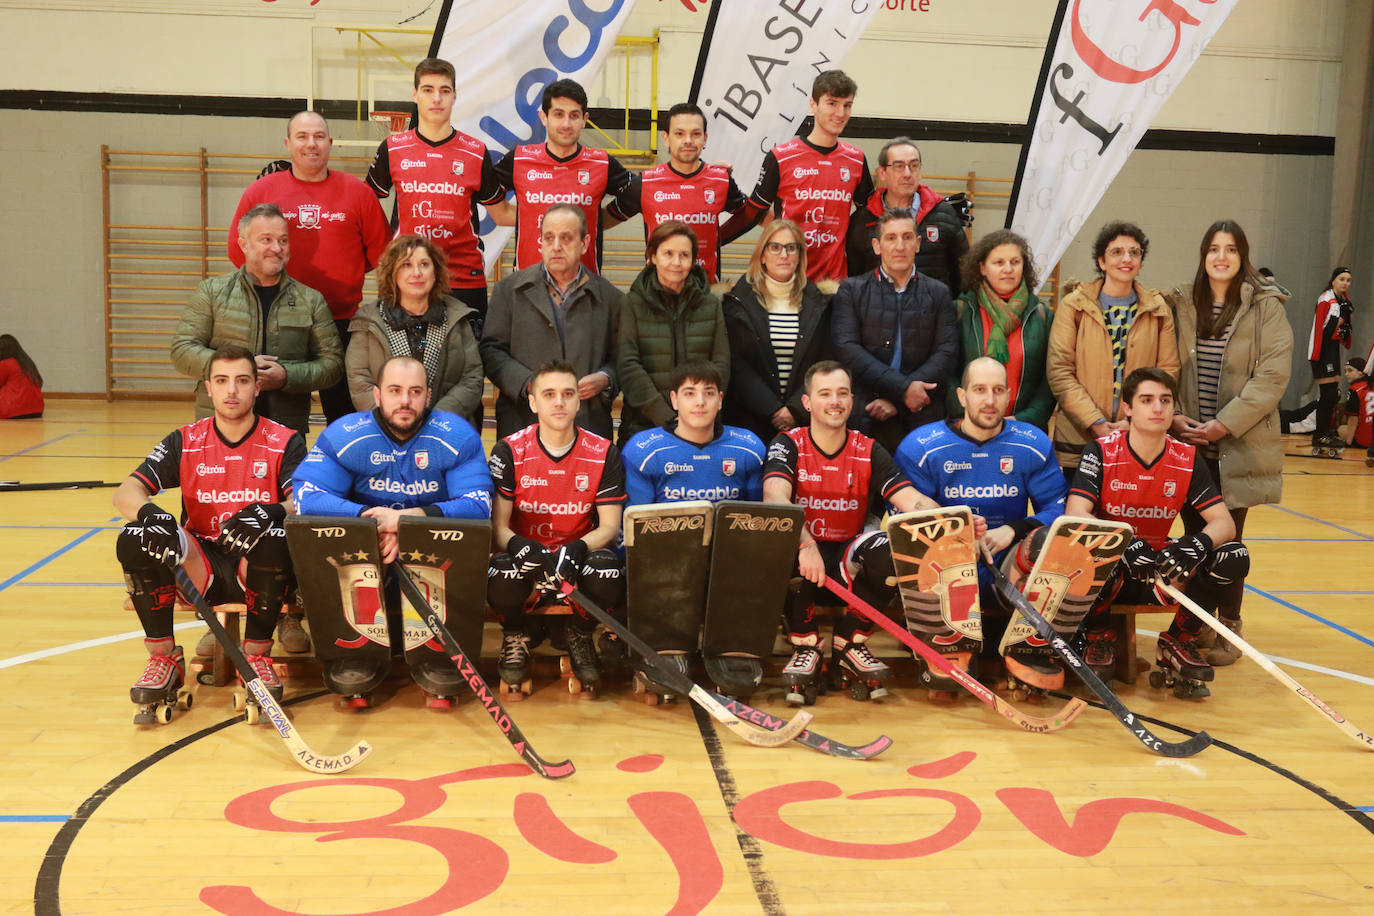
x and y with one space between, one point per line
994 478
660 467
355 465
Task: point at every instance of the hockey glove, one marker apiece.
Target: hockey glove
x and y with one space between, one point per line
276 165
962 206
241 531
1179 558
159 539
567 563
1140 560
528 555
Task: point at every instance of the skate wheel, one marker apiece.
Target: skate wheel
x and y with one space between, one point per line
250 714
205 677
357 702
810 694
440 702
591 691
1018 694
565 666
940 696
240 700
858 690
574 685
1157 679
185 698
1183 691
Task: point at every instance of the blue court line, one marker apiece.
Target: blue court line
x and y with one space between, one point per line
1316 591
1306 613
1309 540
39 445
34 818
1321 521
1365 808
49 558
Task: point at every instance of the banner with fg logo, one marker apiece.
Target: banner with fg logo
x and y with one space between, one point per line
754 72
506 53
1109 66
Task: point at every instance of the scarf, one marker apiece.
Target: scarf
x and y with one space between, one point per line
421 336
1006 318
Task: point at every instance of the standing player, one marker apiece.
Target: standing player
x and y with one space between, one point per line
835 473
398 459
234 470
816 180
1143 476
1331 324
559 171
560 491
993 465
440 175
684 189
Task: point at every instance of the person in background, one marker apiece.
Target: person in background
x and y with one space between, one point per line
1330 332
21 384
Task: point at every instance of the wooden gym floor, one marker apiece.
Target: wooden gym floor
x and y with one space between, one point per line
665 813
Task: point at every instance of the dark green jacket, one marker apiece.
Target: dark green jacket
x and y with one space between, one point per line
655 339
1034 399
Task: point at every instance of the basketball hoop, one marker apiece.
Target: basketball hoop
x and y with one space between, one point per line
394 121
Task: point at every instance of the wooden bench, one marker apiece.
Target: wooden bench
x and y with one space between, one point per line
1123 621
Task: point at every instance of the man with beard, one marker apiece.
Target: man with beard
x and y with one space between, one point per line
398 459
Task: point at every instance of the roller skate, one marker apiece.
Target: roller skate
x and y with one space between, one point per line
737 676
961 654
257 652
162 684
1181 667
513 665
653 692
612 653
1099 652
1221 653
440 682
860 671
802 673
1327 446
354 680
1031 673
580 666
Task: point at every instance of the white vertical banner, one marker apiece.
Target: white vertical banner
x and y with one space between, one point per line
1109 67
505 53
756 66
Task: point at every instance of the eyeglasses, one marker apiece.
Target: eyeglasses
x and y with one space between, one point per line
913 166
782 247
1116 254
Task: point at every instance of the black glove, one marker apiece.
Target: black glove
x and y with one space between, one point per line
276 165
159 539
241 531
528 555
1139 560
567 563
1179 558
962 206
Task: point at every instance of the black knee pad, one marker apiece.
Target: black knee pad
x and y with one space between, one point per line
142 574
270 552
1230 562
507 589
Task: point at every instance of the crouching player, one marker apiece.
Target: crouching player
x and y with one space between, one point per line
1143 476
994 465
835 473
398 459
560 491
234 470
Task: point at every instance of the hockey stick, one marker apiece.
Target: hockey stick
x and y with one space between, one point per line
15 486
806 737
1263 661
316 763
680 683
1085 674
475 682
1030 723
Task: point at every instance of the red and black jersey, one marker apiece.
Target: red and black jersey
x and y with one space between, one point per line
217 477
1325 339
540 179
555 499
835 490
1360 405
438 187
1147 496
817 188
662 193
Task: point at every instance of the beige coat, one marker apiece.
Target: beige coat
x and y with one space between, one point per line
1079 363
1254 375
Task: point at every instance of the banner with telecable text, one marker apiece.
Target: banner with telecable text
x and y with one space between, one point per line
506 52
755 70
1109 67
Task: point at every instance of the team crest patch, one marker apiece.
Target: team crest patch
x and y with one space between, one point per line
727 467
422 459
260 468
710 196
932 233
584 176
1005 464
1170 487
844 174
457 168
308 216
581 482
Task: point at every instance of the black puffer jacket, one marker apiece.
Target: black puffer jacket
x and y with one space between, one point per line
943 243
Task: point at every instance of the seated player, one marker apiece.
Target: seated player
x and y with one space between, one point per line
993 465
694 456
835 473
560 491
400 458
235 473
1143 476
